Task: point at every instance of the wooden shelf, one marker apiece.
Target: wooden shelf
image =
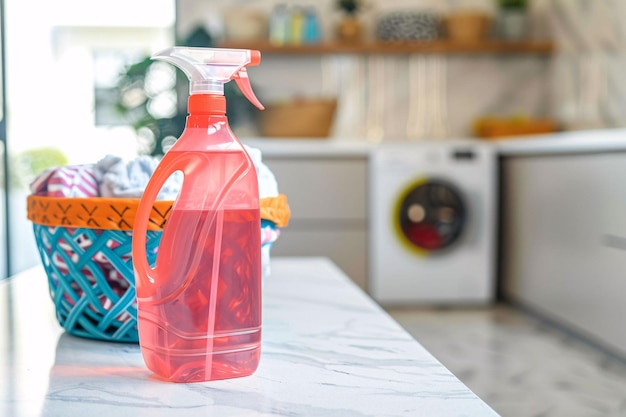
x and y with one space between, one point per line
413 47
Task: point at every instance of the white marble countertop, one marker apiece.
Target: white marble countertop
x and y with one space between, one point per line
328 350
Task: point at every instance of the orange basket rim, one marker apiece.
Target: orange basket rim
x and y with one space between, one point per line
119 213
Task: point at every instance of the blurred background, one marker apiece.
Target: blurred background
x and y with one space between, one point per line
77 77
507 116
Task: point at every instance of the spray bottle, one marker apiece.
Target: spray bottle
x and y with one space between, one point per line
199 308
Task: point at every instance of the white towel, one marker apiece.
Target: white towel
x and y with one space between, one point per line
122 179
268 187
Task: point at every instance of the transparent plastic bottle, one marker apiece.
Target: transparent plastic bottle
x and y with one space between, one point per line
199 308
311 32
279 25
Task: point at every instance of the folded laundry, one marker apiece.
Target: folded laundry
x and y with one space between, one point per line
269 232
114 177
122 179
69 181
268 187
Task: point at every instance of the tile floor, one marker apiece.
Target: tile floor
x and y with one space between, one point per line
518 364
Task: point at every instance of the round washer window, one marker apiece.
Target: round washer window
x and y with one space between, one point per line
431 215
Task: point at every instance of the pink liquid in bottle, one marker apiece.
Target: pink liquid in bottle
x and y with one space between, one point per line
202 320
234 346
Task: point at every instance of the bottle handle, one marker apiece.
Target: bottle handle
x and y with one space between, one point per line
145 275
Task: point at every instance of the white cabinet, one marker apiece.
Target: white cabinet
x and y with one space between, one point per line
328 200
564 240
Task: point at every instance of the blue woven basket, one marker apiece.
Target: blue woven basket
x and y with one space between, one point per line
88 259
91 280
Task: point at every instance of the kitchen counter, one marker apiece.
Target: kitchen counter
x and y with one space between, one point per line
583 141
575 142
563 232
323 147
328 350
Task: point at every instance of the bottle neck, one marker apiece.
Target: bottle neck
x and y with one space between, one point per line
205 109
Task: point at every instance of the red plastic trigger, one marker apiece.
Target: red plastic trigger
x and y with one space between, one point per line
243 82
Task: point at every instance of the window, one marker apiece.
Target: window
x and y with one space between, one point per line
58 66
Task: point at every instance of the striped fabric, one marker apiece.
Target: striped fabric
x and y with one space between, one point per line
69 181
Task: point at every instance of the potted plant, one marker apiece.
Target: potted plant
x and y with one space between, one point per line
134 102
350 27
513 4
513 18
350 7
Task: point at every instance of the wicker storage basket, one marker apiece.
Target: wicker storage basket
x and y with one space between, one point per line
497 128
85 249
467 26
299 119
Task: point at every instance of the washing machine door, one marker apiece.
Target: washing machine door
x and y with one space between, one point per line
430 216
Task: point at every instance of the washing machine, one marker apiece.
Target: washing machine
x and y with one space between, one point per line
432 223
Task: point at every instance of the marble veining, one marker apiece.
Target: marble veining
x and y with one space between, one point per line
521 365
328 350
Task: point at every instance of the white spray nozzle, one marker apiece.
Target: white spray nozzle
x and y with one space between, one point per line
208 69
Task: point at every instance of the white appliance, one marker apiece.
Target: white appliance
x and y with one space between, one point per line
432 223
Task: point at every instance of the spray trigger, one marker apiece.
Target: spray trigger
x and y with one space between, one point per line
243 82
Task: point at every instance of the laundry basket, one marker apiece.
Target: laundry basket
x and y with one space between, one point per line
85 249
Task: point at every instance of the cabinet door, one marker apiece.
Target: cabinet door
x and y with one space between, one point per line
345 247
328 201
322 188
564 236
